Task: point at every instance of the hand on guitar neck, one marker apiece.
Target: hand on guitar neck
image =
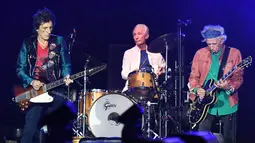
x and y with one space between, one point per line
223 84
67 80
36 84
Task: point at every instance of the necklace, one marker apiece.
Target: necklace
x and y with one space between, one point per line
43 45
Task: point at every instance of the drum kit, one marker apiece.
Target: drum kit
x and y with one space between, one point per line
103 107
99 109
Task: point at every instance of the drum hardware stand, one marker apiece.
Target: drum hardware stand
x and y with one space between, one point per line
148 119
155 134
165 95
76 131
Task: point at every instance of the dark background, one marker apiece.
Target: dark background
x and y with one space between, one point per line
104 30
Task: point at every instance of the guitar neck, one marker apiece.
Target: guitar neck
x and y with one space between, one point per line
75 76
61 81
214 87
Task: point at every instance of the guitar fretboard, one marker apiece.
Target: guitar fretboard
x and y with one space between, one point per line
61 81
213 87
75 76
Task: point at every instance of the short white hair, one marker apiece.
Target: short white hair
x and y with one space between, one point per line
142 26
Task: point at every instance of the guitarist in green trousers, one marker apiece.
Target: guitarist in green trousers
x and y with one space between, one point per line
43 58
208 64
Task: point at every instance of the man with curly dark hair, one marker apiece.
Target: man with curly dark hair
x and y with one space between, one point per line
43 58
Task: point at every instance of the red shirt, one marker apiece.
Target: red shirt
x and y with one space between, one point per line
41 62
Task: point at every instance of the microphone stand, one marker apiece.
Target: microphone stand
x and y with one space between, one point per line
72 38
179 67
70 47
84 97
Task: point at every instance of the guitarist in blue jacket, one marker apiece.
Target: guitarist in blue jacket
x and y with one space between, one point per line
43 58
207 66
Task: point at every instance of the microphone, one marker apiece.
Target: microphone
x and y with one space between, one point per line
72 40
189 21
185 23
88 59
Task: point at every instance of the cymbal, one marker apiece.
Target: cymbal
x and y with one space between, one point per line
159 45
92 61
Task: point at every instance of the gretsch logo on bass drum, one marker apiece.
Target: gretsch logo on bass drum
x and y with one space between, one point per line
108 105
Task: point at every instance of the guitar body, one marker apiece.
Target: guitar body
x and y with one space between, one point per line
24 97
199 109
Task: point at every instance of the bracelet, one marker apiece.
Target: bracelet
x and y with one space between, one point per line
231 90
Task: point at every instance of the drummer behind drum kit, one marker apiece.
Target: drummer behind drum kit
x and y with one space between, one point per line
99 109
103 108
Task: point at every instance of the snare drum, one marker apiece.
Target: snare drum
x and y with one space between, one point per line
104 112
91 97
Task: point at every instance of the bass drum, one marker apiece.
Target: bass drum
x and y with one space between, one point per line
103 112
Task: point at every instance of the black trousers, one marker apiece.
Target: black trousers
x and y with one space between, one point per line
228 126
58 117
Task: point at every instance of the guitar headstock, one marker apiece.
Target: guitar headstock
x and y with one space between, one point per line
245 63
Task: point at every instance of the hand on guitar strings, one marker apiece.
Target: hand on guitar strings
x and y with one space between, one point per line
67 80
223 84
36 84
201 93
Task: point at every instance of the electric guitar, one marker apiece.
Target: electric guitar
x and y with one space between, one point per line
24 97
199 108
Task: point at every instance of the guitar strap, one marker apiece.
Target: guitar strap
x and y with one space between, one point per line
223 62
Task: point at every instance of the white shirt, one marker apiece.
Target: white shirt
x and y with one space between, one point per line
131 62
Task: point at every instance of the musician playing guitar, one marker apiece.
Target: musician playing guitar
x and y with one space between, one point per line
210 63
43 58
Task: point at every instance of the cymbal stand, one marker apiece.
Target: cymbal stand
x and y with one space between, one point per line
81 128
164 97
84 97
